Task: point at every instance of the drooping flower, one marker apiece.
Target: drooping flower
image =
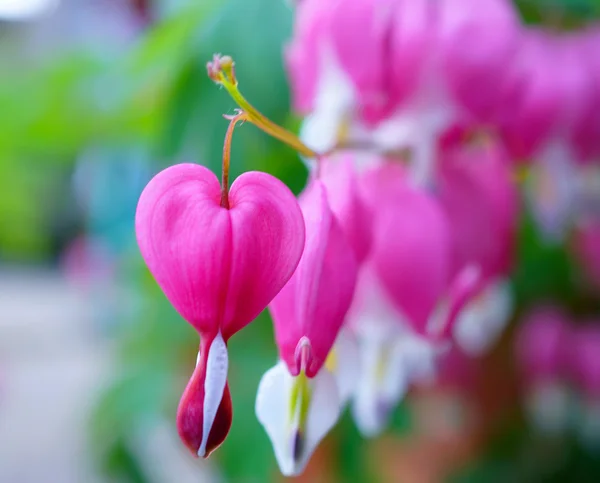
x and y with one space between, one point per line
541 354
405 304
483 234
219 266
299 400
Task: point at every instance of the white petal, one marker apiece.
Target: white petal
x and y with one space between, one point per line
334 101
553 190
381 383
273 403
420 357
344 364
548 407
483 319
214 386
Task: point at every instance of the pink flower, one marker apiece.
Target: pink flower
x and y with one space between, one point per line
477 40
540 345
483 234
341 39
219 267
299 400
313 304
528 100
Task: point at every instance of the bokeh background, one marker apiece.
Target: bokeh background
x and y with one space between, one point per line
95 97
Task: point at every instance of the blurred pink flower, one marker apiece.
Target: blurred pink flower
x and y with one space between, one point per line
219 267
483 234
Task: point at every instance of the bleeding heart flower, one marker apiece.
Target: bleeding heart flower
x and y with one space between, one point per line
483 235
299 401
404 307
477 40
219 267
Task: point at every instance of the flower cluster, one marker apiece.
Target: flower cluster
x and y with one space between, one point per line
560 366
418 117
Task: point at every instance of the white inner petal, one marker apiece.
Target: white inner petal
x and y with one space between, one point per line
381 384
273 405
481 322
553 190
548 407
334 101
344 364
214 386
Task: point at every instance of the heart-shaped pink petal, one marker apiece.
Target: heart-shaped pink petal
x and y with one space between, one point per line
219 267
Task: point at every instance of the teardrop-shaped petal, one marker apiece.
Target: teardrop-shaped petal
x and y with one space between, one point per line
204 413
477 41
483 233
219 267
529 103
313 304
294 441
411 254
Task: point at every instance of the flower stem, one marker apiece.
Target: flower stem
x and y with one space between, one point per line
239 117
222 71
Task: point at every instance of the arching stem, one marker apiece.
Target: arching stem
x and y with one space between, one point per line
233 120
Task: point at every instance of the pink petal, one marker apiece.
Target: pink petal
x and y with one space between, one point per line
219 268
477 41
529 102
411 254
342 184
541 343
359 31
410 43
268 239
314 302
483 233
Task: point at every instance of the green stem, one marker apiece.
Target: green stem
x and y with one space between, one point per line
264 123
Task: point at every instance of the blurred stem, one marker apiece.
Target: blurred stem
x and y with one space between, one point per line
233 120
